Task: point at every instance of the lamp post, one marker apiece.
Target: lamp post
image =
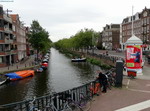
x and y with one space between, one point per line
93 43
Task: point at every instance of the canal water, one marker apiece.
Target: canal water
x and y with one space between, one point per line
61 75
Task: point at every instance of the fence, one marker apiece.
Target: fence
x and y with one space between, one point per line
29 63
42 102
107 59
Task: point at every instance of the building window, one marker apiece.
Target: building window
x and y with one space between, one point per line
1 47
144 21
148 28
141 22
1 37
1 59
147 20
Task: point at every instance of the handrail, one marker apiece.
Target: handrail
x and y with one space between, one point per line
42 101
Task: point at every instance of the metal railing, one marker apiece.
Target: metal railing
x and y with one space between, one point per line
42 102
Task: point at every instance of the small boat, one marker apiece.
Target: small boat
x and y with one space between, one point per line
20 75
39 69
79 60
45 60
44 65
4 81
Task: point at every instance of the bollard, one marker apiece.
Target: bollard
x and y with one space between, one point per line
25 65
8 67
119 73
17 66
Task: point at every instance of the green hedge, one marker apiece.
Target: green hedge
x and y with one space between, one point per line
91 60
98 63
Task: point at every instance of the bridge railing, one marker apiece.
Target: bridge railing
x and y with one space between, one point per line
55 99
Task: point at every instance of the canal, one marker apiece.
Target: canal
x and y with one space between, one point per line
61 75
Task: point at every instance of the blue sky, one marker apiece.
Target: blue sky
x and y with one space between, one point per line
64 18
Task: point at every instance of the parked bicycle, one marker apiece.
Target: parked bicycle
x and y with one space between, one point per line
50 106
71 104
32 105
110 78
95 88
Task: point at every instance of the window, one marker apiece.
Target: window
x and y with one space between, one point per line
148 28
1 59
1 47
147 20
1 37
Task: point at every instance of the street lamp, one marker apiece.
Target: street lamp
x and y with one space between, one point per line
93 43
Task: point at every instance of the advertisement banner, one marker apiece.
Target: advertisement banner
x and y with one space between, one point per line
134 56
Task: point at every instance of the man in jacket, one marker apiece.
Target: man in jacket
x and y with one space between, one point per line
103 81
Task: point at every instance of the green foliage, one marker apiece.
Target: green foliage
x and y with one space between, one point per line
82 39
39 37
98 63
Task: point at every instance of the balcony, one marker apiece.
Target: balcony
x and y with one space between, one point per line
7 29
8 40
8 52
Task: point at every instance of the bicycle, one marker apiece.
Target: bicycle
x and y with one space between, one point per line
50 106
86 100
110 79
95 89
33 108
68 104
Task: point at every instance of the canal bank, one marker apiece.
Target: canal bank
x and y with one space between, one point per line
28 63
133 91
61 75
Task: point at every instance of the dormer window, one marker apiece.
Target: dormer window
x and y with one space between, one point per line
145 14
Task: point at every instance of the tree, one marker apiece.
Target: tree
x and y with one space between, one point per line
39 38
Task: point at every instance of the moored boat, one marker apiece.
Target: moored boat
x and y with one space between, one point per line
44 65
78 60
39 69
4 81
20 75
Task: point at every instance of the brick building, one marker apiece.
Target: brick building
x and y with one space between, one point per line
19 32
13 39
111 37
8 50
141 27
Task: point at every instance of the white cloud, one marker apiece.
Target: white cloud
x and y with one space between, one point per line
63 18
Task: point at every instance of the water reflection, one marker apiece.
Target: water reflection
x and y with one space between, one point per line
62 74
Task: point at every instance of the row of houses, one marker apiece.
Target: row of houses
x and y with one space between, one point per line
114 36
14 44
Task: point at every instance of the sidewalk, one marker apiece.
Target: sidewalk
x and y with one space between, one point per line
28 63
132 92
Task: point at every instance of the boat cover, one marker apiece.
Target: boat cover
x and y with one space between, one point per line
20 74
13 75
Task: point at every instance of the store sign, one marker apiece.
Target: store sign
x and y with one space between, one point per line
134 56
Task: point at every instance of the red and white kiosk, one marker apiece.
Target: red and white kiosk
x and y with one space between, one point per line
133 56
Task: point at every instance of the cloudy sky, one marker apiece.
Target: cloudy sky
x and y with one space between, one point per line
64 18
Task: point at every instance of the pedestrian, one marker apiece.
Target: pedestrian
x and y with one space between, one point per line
103 81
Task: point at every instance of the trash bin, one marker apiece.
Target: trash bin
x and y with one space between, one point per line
131 72
119 73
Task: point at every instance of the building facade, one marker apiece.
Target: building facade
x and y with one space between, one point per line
111 37
13 39
141 28
19 32
8 50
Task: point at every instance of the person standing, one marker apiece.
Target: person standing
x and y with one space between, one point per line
103 81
